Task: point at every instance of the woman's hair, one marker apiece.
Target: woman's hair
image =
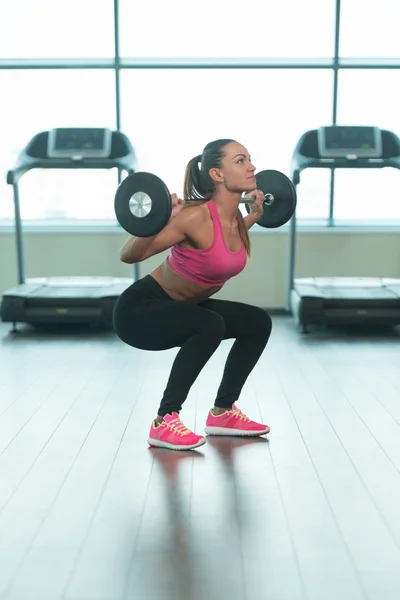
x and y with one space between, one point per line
199 185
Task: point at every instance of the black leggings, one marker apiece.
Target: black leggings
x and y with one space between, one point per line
146 317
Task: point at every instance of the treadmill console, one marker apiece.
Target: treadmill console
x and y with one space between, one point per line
350 142
79 143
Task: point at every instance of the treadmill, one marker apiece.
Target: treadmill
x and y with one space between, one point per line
342 300
65 300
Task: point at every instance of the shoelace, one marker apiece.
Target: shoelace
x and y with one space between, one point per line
238 413
177 426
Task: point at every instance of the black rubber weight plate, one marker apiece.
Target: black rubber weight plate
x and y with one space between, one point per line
282 209
158 204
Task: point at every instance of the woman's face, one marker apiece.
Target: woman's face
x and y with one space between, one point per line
237 170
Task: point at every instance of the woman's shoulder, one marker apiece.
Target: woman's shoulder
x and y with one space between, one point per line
192 220
195 212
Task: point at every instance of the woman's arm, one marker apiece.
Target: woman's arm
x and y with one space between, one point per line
256 210
178 229
134 247
250 220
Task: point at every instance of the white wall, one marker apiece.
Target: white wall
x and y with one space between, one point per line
263 282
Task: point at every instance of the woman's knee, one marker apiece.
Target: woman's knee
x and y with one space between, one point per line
259 322
211 325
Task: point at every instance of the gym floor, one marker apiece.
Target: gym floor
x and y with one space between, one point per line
88 511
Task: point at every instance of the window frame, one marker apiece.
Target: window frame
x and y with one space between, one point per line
117 64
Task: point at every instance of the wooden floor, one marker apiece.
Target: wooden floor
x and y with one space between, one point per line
88 511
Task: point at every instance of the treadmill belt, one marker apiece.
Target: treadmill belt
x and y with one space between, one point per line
358 293
349 289
64 292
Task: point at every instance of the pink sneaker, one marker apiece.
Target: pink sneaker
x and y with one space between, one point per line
234 422
173 434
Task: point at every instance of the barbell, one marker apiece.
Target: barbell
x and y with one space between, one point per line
143 203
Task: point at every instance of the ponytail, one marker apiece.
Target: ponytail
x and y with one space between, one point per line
195 184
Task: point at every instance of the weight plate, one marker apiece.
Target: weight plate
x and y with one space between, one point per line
142 204
281 209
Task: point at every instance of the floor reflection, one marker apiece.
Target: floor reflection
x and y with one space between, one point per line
180 557
227 449
194 557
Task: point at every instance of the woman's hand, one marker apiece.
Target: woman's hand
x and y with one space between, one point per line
256 207
177 205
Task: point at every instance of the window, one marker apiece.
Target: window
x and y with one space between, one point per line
40 100
170 115
367 196
368 97
227 28
56 29
370 29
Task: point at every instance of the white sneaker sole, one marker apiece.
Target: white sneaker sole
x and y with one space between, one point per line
161 444
235 432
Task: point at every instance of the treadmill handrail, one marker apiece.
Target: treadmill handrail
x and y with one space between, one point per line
34 156
14 175
302 163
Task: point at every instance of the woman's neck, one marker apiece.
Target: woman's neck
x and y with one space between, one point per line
227 204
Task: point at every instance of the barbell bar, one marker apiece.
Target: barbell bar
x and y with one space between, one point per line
269 199
143 202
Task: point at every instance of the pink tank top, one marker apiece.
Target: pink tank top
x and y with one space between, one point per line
212 266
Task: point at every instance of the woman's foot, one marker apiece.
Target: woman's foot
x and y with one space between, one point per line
171 433
233 422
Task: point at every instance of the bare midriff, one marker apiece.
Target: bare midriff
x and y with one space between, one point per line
179 288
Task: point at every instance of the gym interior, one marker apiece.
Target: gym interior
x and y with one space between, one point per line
95 92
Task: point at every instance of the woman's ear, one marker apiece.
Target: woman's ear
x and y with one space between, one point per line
216 175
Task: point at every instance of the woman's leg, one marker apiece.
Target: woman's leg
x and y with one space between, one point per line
250 326
156 322
198 332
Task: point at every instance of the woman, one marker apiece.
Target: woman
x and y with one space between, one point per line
171 307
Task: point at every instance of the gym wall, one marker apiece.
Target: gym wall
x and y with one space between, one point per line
263 282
